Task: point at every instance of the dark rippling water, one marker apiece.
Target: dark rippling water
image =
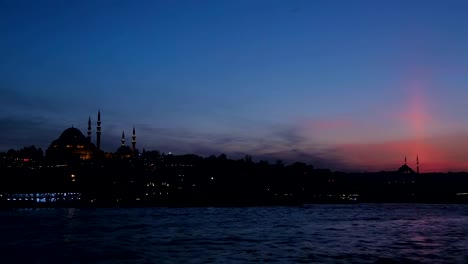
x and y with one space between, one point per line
360 233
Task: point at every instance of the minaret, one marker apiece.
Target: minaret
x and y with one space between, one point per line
98 131
133 140
89 129
417 164
123 140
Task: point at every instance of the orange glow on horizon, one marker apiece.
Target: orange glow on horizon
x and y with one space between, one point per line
437 154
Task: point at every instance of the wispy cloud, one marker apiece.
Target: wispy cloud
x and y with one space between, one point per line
19 132
16 100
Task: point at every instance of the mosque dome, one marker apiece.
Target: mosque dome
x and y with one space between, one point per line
71 143
405 169
72 137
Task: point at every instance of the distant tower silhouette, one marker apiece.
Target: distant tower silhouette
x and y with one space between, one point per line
123 140
89 129
98 131
405 160
133 139
417 164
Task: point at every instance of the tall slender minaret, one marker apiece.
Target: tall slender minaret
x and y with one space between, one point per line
89 129
133 140
98 131
123 140
417 164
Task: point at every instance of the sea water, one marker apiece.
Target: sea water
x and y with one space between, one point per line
350 233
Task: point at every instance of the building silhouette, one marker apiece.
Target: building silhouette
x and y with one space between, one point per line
73 145
405 168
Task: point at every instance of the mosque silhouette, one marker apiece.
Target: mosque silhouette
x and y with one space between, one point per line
72 144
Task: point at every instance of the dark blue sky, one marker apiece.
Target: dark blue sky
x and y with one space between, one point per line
336 83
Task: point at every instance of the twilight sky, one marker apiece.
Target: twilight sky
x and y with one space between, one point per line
350 85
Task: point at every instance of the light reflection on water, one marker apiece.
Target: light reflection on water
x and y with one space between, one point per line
362 233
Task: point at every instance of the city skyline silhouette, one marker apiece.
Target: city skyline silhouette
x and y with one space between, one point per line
94 132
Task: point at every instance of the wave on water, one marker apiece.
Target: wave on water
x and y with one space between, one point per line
362 233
